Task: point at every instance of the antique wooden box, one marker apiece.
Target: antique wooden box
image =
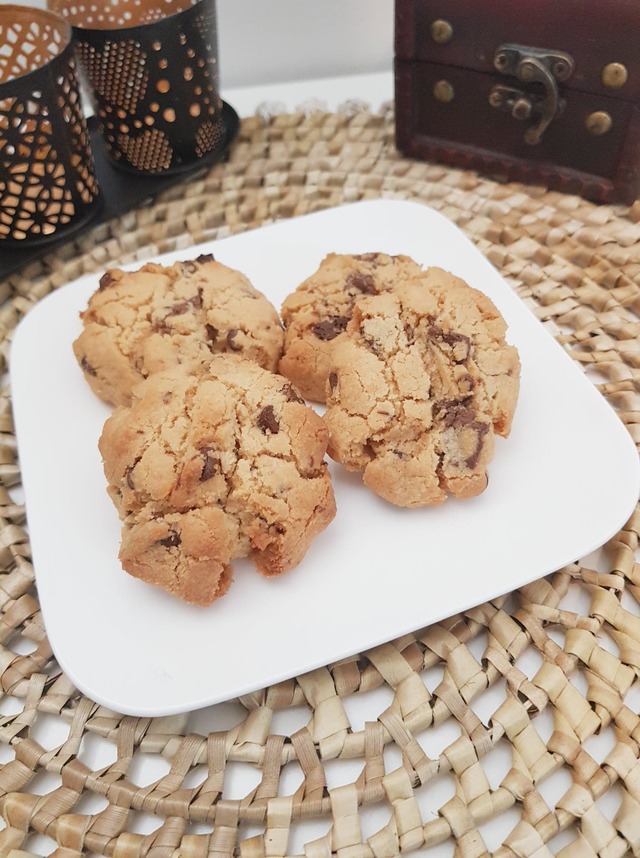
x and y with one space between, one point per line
534 91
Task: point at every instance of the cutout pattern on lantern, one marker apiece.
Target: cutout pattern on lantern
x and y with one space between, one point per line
47 177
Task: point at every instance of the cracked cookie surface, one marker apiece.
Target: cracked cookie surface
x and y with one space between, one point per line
316 315
419 387
206 469
145 321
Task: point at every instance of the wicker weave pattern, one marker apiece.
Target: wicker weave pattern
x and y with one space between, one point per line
552 693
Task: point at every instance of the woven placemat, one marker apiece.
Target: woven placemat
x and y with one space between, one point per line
511 730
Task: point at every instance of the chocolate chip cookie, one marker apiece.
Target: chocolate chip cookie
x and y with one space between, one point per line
419 387
211 467
316 315
141 322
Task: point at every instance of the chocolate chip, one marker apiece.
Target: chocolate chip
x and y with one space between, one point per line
455 413
373 343
212 333
191 265
330 328
372 258
211 465
170 541
481 430
465 381
178 309
105 281
184 306
267 420
233 345
362 282
86 367
459 344
161 327
333 380
291 394
128 474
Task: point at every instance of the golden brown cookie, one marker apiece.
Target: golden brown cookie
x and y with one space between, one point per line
417 389
316 315
145 321
204 469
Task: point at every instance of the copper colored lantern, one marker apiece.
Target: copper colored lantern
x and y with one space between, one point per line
47 179
152 69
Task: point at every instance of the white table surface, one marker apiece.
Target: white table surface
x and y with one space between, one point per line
374 89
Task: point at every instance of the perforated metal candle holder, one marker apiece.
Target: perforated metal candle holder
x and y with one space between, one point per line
47 178
152 68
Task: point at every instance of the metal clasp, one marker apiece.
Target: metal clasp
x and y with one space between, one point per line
541 70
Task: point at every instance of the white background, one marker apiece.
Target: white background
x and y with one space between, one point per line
289 40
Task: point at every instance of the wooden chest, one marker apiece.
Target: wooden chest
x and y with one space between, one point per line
538 91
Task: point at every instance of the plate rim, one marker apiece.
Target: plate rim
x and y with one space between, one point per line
181 707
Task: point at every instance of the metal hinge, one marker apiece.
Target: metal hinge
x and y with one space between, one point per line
541 70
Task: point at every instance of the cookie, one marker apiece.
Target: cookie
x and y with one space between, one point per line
316 315
207 468
145 321
419 387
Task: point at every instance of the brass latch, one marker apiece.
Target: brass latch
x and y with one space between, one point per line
541 70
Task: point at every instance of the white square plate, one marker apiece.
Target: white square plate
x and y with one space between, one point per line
561 485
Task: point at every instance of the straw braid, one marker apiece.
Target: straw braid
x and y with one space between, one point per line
522 675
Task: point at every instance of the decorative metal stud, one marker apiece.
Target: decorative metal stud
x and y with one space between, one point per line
614 75
443 91
441 31
598 123
522 108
